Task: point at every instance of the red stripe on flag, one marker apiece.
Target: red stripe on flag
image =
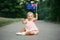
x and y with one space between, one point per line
34 4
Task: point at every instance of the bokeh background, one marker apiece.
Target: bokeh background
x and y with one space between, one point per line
48 10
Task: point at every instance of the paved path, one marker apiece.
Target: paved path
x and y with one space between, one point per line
48 31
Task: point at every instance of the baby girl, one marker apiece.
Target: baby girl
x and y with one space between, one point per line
30 28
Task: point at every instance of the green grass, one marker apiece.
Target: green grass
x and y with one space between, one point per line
2 23
6 21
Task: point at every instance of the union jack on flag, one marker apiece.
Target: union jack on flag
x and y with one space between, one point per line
34 4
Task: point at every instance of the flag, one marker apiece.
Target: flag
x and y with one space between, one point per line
31 6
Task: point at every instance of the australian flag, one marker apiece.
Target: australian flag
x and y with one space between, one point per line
31 6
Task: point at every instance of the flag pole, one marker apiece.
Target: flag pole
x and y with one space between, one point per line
36 7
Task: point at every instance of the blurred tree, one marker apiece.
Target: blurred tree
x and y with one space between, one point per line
47 9
55 9
11 9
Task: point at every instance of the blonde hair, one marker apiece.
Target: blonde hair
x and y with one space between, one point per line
30 13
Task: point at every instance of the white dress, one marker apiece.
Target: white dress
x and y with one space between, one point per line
30 26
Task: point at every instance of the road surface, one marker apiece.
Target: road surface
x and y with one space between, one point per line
47 31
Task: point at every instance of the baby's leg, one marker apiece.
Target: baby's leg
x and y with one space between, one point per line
29 33
32 32
23 30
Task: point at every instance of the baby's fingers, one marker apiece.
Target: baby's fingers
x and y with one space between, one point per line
22 19
36 13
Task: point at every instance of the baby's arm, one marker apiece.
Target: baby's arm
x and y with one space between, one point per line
23 21
36 17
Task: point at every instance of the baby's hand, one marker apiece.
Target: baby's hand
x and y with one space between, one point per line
22 19
36 14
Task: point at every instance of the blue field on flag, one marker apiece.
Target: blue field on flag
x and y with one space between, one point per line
31 6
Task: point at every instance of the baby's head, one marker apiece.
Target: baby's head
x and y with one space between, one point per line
30 15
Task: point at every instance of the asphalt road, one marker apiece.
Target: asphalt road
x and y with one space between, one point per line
47 31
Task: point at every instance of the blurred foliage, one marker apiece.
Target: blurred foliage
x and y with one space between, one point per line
55 10
48 10
12 9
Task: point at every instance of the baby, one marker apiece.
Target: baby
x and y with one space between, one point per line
30 28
